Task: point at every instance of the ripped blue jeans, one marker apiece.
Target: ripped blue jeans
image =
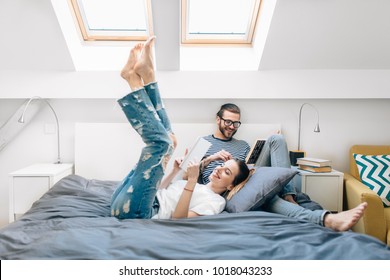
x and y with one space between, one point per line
280 206
135 197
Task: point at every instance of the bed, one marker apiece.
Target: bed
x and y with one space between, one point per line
72 221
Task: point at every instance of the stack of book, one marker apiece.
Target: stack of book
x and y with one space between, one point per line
316 165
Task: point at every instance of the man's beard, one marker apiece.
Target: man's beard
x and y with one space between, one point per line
226 133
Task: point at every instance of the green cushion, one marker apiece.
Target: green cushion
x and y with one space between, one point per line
374 171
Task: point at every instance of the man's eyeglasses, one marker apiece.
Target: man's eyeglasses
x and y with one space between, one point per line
235 124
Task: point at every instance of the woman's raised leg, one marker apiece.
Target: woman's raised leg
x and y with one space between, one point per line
145 69
135 196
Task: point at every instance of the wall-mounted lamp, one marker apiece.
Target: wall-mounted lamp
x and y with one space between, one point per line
21 120
294 155
316 128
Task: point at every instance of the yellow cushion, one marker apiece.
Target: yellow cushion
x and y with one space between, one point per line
387 217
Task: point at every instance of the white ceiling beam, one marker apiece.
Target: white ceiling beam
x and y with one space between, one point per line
166 25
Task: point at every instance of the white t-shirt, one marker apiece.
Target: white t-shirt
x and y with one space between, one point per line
203 202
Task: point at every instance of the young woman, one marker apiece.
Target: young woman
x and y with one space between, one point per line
143 194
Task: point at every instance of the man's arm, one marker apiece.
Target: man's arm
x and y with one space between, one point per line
221 155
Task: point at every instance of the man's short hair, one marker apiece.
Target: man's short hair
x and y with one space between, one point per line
228 107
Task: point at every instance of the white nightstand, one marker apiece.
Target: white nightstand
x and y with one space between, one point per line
325 188
29 184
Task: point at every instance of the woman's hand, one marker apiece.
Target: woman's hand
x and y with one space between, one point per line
193 170
178 161
175 170
183 205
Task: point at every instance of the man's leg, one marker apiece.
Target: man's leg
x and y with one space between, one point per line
280 206
275 154
342 221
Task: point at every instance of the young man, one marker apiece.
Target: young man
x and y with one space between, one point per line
225 146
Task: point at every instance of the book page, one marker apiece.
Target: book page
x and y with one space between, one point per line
255 151
197 152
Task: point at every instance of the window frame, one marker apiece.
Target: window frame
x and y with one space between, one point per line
74 5
187 39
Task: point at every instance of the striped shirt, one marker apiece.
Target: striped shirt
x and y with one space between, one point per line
237 148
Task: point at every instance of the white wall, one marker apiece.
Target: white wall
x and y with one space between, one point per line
275 84
343 122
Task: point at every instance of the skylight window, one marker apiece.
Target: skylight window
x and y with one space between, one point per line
113 20
219 21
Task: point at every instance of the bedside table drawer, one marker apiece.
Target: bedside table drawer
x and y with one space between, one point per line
27 190
28 184
325 188
322 189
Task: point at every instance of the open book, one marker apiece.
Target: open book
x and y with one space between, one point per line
255 151
197 152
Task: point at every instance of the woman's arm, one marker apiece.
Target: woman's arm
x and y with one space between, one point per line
168 179
176 168
183 205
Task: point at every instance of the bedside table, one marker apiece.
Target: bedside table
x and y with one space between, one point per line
28 184
325 188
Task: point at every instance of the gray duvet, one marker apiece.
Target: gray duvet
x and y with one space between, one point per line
72 221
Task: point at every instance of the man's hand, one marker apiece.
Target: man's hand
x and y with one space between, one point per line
221 155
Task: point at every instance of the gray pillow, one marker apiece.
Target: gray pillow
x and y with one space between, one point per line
263 185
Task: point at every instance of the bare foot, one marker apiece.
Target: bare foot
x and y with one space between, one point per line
128 72
133 58
144 66
343 221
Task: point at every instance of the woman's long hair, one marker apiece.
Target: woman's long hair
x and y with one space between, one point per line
241 178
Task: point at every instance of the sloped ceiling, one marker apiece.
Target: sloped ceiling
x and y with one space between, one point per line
31 38
331 34
304 34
